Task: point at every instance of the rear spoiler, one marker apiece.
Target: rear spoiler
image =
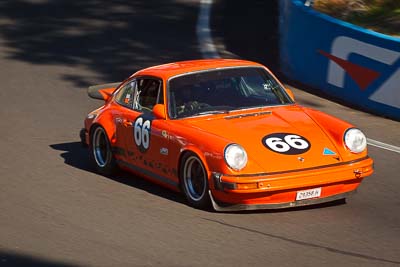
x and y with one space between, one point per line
102 91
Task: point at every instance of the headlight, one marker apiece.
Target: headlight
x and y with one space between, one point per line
235 157
355 140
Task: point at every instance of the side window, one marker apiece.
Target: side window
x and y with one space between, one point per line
149 93
126 94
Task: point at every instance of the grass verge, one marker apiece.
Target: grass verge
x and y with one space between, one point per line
378 15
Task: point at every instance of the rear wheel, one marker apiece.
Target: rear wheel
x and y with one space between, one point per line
194 181
101 153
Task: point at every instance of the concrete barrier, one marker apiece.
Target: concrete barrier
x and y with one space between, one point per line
359 66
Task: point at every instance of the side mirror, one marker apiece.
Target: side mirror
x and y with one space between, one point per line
290 93
159 111
102 91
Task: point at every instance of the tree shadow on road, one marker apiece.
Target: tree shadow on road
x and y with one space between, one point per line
8 259
111 38
76 155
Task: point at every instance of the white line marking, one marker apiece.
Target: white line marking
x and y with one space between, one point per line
385 146
208 50
207 47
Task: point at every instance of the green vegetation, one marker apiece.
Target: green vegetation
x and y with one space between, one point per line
378 15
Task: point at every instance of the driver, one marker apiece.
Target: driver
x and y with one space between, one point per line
186 103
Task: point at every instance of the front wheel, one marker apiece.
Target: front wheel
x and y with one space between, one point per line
194 181
100 150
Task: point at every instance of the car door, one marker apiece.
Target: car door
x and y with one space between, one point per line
145 137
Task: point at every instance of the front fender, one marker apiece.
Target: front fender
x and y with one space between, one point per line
335 129
209 148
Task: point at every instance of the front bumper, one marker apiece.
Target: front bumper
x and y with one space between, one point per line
226 207
278 190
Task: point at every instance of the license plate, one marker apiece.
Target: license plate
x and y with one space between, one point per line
307 194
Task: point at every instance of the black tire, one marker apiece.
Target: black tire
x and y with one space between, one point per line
194 181
100 152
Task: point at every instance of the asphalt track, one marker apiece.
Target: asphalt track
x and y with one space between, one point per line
54 211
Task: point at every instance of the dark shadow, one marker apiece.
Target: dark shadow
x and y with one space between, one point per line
334 203
9 259
76 155
111 38
330 204
249 30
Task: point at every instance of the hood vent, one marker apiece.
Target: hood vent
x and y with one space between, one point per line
248 115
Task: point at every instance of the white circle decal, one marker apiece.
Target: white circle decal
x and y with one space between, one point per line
286 143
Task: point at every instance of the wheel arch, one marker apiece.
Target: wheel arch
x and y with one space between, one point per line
199 154
103 159
107 124
189 185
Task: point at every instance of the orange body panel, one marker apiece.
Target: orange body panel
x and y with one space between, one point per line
268 178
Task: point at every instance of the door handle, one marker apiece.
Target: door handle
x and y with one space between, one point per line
127 123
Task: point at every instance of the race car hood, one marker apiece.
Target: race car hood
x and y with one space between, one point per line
280 139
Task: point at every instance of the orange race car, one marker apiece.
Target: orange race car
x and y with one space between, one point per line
227 134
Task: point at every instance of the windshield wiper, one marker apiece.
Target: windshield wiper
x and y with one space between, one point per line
211 112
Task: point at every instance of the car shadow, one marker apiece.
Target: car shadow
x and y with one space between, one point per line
334 203
76 155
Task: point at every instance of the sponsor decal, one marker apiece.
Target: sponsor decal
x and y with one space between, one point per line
164 151
286 143
328 152
361 75
384 90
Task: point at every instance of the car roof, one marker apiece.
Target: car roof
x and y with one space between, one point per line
169 70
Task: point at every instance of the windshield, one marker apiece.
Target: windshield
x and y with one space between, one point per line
223 90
